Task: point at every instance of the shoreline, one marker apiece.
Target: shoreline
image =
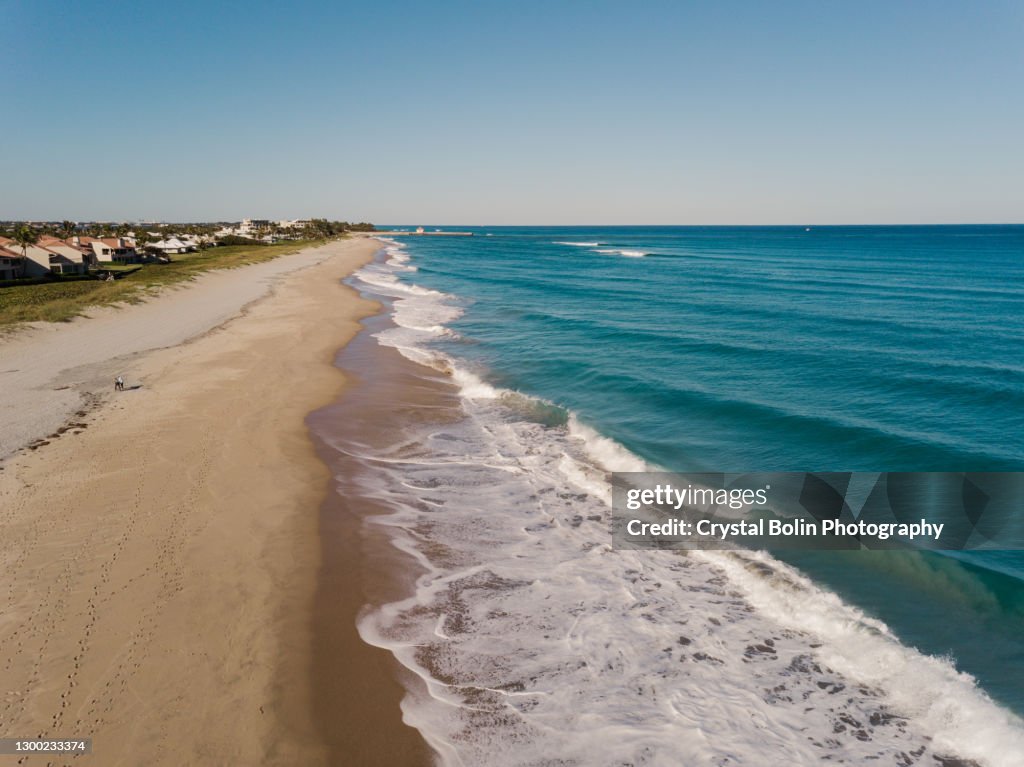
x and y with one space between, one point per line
361 567
522 616
161 564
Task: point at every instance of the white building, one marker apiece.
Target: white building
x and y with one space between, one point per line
69 253
38 261
170 246
119 250
253 226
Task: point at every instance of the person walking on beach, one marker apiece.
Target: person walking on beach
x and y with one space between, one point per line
119 384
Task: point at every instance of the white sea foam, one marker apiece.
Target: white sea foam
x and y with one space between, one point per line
608 453
578 244
586 477
471 385
419 313
537 643
398 260
946 703
621 252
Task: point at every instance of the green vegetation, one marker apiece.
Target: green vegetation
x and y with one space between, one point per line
110 266
25 237
234 239
60 301
324 228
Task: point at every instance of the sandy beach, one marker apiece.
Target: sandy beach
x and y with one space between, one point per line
161 557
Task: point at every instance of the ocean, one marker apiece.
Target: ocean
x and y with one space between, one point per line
576 351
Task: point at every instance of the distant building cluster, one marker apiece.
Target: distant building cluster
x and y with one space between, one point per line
78 253
263 228
47 249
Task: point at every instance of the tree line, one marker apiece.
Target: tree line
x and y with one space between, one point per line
325 228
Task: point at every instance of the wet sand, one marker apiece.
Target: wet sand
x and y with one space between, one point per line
385 394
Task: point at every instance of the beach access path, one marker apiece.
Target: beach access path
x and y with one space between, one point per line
159 561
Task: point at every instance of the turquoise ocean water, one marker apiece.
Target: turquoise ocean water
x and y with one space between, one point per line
767 348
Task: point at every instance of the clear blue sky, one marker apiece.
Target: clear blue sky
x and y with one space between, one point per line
514 112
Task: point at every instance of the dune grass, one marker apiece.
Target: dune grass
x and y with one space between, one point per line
62 301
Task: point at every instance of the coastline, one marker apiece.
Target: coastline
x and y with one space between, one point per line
161 563
361 568
520 615
146 601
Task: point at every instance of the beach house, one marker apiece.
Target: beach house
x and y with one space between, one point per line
169 246
10 264
72 254
253 226
119 250
193 241
38 260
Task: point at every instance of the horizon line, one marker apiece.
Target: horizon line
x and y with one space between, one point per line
799 223
516 225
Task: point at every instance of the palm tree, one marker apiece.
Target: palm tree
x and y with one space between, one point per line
26 237
67 228
141 238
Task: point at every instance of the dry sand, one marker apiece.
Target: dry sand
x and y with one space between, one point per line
49 370
159 566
